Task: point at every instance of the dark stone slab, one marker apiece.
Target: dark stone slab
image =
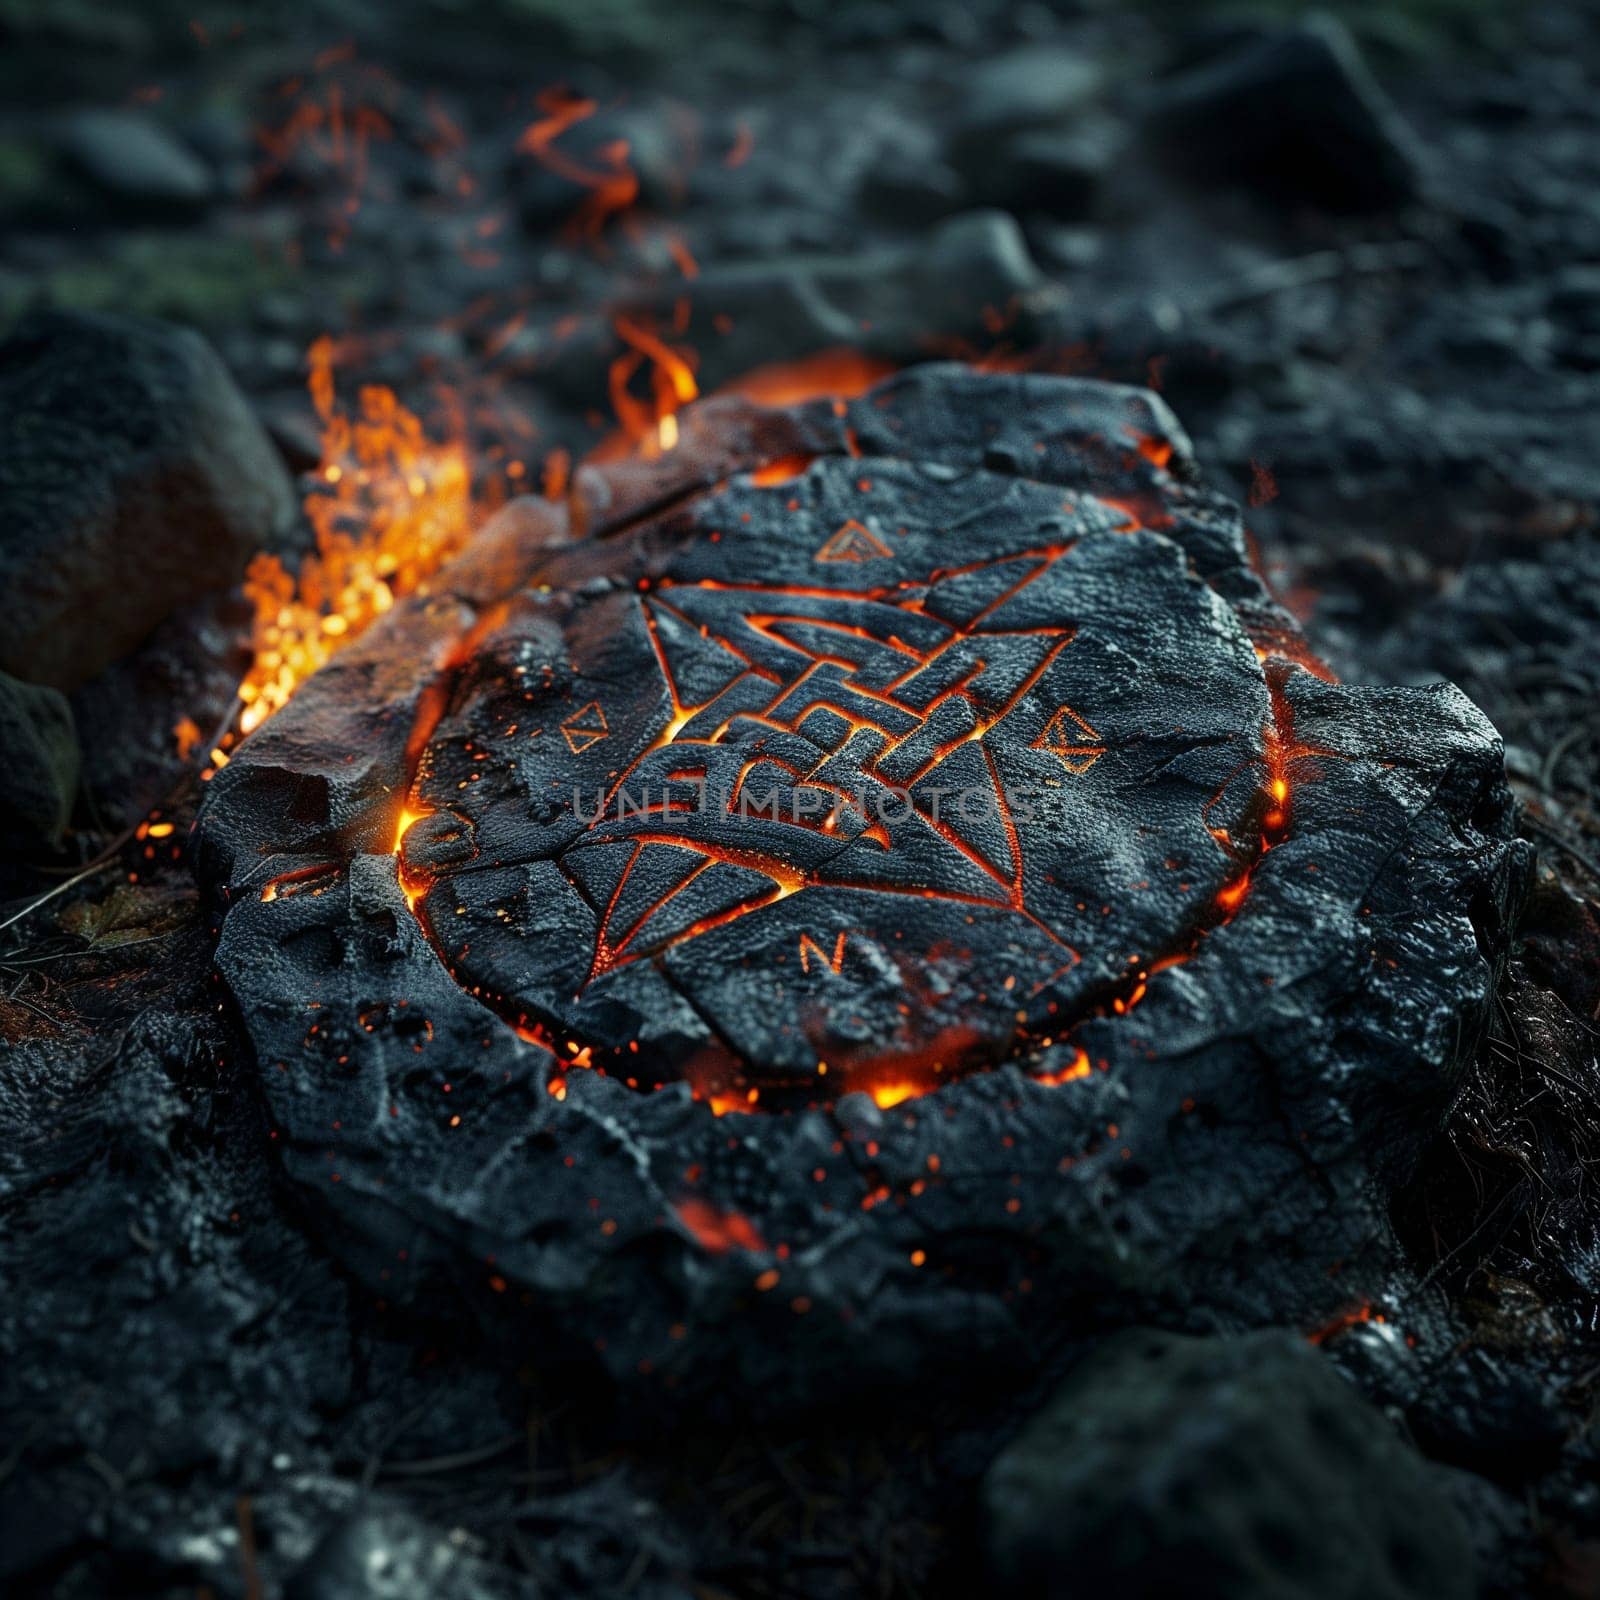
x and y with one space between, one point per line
1139 1055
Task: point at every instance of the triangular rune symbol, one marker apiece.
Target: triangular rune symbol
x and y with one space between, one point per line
853 542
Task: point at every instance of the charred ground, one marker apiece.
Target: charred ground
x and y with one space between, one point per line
224 1373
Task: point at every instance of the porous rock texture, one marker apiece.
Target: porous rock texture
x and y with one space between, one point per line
39 763
1218 1467
1135 1056
134 478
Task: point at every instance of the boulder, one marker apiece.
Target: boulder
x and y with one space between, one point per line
39 762
1028 88
1047 171
135 163
1295 114
891 304
1244 1468
134 478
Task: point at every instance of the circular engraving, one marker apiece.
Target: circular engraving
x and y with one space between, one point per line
795 817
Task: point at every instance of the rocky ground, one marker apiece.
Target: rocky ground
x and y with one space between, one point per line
1360 260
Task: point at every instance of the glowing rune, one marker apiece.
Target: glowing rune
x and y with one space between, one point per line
816 738
1071 741
586 726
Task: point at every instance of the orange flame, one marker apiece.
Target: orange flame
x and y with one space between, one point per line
389 508
612 184
649 426
1363 1311
333 124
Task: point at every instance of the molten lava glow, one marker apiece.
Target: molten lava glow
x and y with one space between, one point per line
731 1104
719 1231
1077 1068
403 825
1231 896
412 891
1158 452
838 373
784 470
885 1095
389 508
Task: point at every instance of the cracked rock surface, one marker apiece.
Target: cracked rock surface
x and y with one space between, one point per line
562 1051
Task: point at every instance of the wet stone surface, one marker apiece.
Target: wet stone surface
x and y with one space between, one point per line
602 953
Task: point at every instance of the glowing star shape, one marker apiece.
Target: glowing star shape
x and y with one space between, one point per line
820 731
853 542
1062 738
586 726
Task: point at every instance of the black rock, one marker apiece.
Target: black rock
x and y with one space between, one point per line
1495 1414
511 936
1297 114
155 709
136 164
1027 88
891 304
1055 173
1240 1469
1574 296
38 186
133 479
903 188
383 1553
1498 1523
39 763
